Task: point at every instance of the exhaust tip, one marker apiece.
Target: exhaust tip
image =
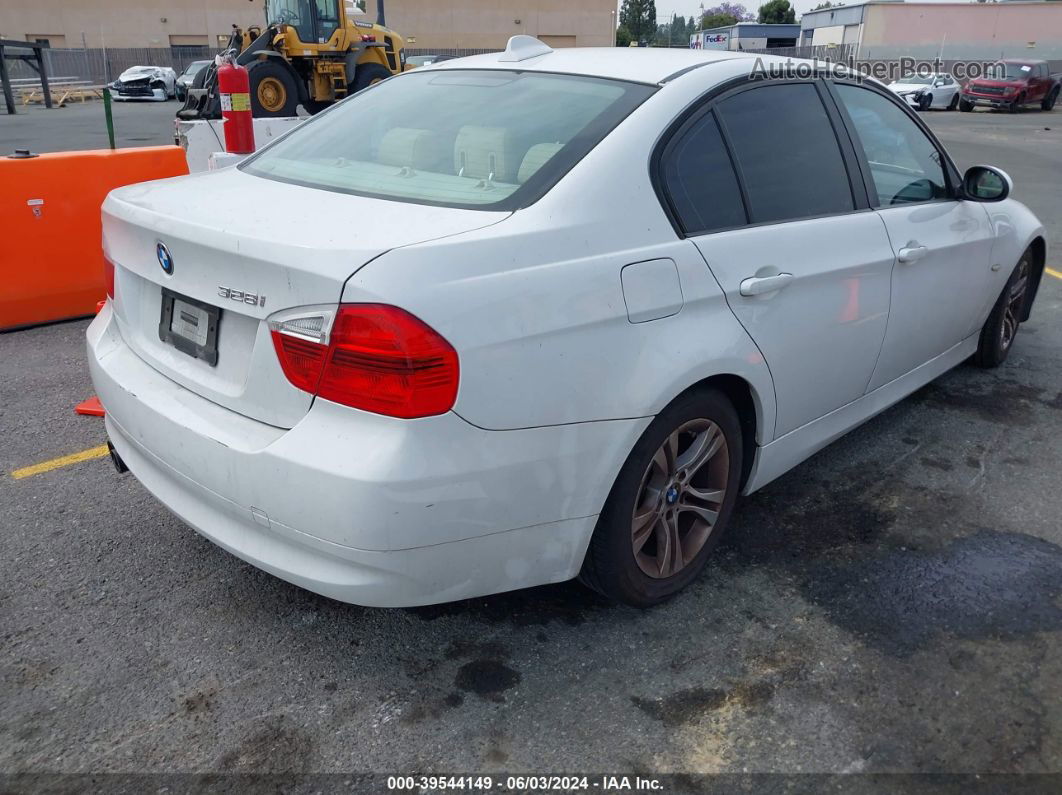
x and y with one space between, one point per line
116 459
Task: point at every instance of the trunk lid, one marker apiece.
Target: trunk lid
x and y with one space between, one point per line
232 237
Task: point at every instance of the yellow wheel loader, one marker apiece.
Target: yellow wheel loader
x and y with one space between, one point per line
311 53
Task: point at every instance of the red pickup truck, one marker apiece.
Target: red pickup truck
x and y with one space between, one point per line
1012 84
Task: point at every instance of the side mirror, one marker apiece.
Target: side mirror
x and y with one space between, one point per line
986 184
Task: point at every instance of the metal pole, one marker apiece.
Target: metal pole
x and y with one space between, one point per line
110 118
39 52
9 97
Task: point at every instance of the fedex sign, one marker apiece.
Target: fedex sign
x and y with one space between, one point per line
709 41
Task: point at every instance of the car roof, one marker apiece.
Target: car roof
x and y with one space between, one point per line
651 65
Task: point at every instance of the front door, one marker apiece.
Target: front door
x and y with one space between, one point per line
942 254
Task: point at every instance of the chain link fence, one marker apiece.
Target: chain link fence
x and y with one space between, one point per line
100 66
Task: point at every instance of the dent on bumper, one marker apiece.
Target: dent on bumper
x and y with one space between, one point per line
359 507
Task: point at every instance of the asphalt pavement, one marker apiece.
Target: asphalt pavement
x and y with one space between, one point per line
893 605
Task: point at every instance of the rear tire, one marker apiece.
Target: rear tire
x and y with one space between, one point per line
670 504
999 331
1050 100
368 74
273 89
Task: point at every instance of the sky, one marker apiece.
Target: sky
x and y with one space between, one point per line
665 8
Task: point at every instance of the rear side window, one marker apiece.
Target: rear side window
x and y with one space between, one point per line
787 153
479 139
904 164
700 181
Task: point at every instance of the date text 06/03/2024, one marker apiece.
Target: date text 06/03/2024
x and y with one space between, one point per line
525 783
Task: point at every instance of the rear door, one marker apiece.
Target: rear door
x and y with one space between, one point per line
757 179
942 244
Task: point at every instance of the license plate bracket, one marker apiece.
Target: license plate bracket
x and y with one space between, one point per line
190 326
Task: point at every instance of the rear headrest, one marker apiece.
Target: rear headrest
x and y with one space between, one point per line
482 151
535 158
411 146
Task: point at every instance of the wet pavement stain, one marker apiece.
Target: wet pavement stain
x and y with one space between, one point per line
793 522
277 748
985 585
1004 401
487 678
688 706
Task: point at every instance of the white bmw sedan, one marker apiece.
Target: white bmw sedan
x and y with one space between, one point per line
522 317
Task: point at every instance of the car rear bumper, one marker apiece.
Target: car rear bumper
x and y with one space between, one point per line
359 507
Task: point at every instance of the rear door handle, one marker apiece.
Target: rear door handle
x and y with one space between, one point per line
759 285
911 253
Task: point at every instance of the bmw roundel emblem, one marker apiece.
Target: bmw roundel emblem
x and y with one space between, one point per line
165 260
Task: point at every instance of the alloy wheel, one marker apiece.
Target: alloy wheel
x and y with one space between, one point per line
1015 299
679 499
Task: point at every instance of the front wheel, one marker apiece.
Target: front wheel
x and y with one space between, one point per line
368 74
1016 105
999 331
954 102
965 106
273 89
925 101
670 503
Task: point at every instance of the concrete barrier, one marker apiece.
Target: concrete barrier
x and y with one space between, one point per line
51 260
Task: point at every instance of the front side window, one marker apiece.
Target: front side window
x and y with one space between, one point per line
481 139
904 164
787 153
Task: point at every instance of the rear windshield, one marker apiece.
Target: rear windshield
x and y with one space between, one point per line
481 139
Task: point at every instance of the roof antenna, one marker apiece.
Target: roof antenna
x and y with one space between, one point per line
522 47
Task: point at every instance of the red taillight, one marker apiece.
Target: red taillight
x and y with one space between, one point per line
301 360
108 277
376 357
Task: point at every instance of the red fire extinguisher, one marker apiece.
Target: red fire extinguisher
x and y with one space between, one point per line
235 90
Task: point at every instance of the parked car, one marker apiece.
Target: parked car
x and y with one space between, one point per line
425 60
927 91
184 82
157 83
1012 85
539 315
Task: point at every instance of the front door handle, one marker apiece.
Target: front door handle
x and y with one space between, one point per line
759 285
912 252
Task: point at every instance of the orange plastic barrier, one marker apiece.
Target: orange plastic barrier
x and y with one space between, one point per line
51 260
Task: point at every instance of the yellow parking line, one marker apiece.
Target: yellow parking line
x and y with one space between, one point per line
57 463
1053 272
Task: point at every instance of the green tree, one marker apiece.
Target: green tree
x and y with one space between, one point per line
623 37
639 18
723 15
776 12
673 33
827 4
